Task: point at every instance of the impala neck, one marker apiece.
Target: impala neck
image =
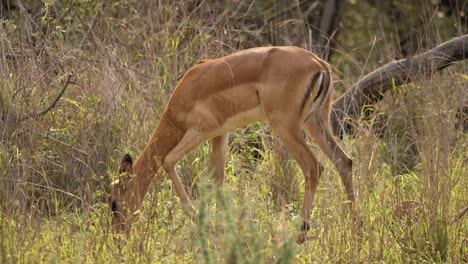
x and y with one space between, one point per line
164 139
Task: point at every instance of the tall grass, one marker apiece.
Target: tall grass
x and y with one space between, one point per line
410 157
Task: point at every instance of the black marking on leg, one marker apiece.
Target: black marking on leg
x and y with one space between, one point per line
328 85
114 206
350 163
321 87
305 226
309 89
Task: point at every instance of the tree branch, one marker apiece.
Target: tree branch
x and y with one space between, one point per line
52 105
371 88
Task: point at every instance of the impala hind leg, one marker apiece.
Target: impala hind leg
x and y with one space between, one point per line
320 131
191 139
298 149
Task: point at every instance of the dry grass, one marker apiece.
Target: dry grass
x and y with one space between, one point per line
410 157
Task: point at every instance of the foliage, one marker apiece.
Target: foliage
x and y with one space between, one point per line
126 56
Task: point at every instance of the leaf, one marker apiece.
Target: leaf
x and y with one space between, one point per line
464 76
73 102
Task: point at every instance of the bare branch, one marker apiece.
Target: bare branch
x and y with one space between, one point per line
52 105
370 89
460 214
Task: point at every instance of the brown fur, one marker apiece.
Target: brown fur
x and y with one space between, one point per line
219 95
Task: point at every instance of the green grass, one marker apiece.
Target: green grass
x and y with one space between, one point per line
250 228
410 157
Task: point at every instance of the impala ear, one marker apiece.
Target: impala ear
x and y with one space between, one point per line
126 166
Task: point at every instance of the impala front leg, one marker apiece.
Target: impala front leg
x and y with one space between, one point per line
191 139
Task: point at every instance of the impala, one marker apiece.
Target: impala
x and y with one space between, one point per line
289 87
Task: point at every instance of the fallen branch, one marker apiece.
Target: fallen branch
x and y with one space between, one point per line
371 88
52 105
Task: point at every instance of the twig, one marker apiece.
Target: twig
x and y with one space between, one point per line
49 188
2 107
52 105
459 215
65 144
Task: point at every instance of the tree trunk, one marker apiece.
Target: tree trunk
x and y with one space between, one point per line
329 26
323 19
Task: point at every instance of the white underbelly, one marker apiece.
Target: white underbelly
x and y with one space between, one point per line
241 119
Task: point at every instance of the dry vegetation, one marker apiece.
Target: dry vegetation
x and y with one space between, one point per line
125 57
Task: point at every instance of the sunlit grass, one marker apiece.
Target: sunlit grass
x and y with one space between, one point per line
410 159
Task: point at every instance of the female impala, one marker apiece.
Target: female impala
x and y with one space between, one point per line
288 86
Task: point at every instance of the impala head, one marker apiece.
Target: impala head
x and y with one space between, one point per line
119 194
